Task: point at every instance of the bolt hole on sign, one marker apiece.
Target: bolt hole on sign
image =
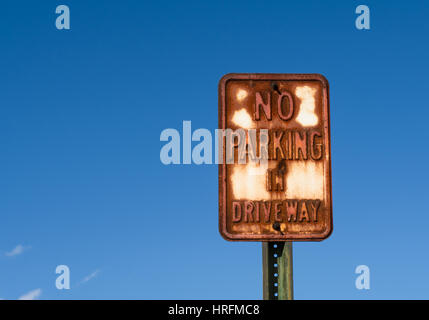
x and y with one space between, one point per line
274 157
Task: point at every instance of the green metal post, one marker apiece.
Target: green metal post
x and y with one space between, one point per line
277 270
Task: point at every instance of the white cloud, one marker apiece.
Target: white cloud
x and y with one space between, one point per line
16 251
90 276
32 295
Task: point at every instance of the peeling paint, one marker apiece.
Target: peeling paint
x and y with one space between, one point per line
304 180
241 94
242 119
306 116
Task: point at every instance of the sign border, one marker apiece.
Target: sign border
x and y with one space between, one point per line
327 167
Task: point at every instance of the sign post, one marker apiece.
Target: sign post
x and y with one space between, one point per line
274 167
277 271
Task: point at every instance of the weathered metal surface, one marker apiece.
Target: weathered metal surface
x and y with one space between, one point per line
277 271
289 196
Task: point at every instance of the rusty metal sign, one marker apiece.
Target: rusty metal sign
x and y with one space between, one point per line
275 158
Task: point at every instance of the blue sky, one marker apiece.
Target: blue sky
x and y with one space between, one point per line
81 112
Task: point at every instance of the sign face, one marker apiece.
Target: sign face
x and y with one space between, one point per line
275 158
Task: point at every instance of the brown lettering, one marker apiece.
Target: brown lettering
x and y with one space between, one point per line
303 212
265 106
290 145
315 204
267 210
236 211
277 211
316 148
289 115
278 135
300 145
248 211
291 210
269 179
257 217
